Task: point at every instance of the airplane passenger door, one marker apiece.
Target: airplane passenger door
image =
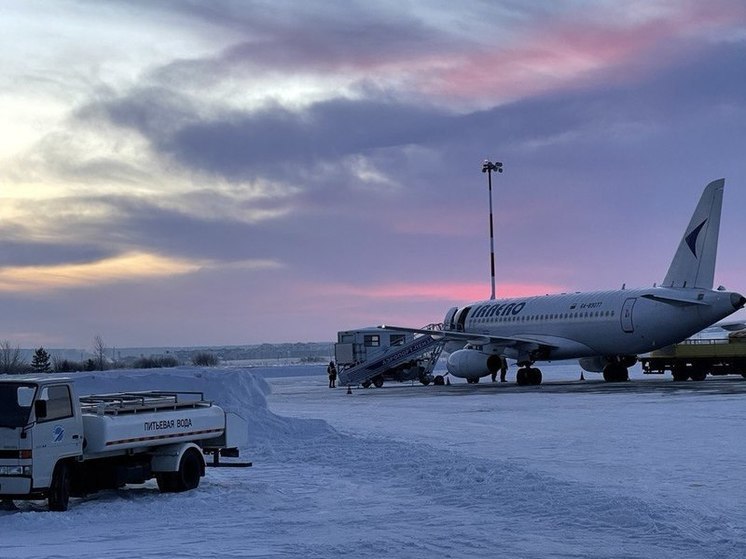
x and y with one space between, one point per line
627 324
460 318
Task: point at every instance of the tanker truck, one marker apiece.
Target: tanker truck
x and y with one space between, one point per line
54 444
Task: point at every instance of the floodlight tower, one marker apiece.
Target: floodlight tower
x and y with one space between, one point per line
488 167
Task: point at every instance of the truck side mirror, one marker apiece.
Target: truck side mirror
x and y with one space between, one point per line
40 409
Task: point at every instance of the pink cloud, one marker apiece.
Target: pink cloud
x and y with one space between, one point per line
532 56
558 53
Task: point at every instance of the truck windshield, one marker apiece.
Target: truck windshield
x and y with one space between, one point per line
15 403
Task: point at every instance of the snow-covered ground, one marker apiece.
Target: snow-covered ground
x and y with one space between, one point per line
570 469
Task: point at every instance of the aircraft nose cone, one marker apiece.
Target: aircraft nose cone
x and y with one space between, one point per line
737 300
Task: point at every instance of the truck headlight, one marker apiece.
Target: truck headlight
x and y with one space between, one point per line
15 470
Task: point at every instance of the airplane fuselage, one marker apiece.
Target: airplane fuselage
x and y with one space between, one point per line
577 325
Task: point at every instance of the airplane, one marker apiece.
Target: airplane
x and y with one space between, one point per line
603 330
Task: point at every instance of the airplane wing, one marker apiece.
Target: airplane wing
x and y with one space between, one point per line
729 326
477 338
732 326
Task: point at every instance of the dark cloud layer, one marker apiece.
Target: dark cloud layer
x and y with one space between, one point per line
606 140
29 253
273 141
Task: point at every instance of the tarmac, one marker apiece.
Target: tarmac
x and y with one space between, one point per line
713 385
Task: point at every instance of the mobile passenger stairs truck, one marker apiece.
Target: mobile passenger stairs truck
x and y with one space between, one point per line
54 444
696 357
372 355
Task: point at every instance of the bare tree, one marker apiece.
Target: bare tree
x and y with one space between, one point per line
99 353
205 359
10 358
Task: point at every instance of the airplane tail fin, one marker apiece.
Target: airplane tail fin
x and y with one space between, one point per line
694 262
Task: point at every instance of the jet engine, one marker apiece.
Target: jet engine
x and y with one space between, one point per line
472 363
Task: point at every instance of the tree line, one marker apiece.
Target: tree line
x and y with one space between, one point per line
13 362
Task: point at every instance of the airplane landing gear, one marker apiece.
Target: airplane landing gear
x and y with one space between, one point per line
526 376
616 372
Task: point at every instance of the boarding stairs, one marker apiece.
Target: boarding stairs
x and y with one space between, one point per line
424 351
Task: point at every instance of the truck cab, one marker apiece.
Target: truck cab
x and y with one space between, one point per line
40 425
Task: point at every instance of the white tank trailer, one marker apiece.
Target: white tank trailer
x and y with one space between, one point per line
54 445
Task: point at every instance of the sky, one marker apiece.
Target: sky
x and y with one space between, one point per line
223 172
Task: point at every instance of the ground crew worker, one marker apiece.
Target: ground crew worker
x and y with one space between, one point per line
503 370
332 372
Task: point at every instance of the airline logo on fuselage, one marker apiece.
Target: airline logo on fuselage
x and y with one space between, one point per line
500 310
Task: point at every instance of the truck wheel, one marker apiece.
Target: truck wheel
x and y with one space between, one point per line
190 470
186 478
59 491
166 482
679 374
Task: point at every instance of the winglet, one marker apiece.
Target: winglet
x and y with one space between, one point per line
694 262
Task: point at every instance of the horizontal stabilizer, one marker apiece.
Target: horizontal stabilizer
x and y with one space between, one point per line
670 300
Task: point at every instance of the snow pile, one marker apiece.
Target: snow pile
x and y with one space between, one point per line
421 472
235 390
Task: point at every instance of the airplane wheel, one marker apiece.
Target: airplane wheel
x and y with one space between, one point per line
534 376
521 377
378 381
439 380
366 384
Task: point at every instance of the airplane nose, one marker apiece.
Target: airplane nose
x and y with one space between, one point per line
737 300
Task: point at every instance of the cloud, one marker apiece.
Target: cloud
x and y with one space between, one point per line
127 267
123 267
281 142
476 57
289 183
23 252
